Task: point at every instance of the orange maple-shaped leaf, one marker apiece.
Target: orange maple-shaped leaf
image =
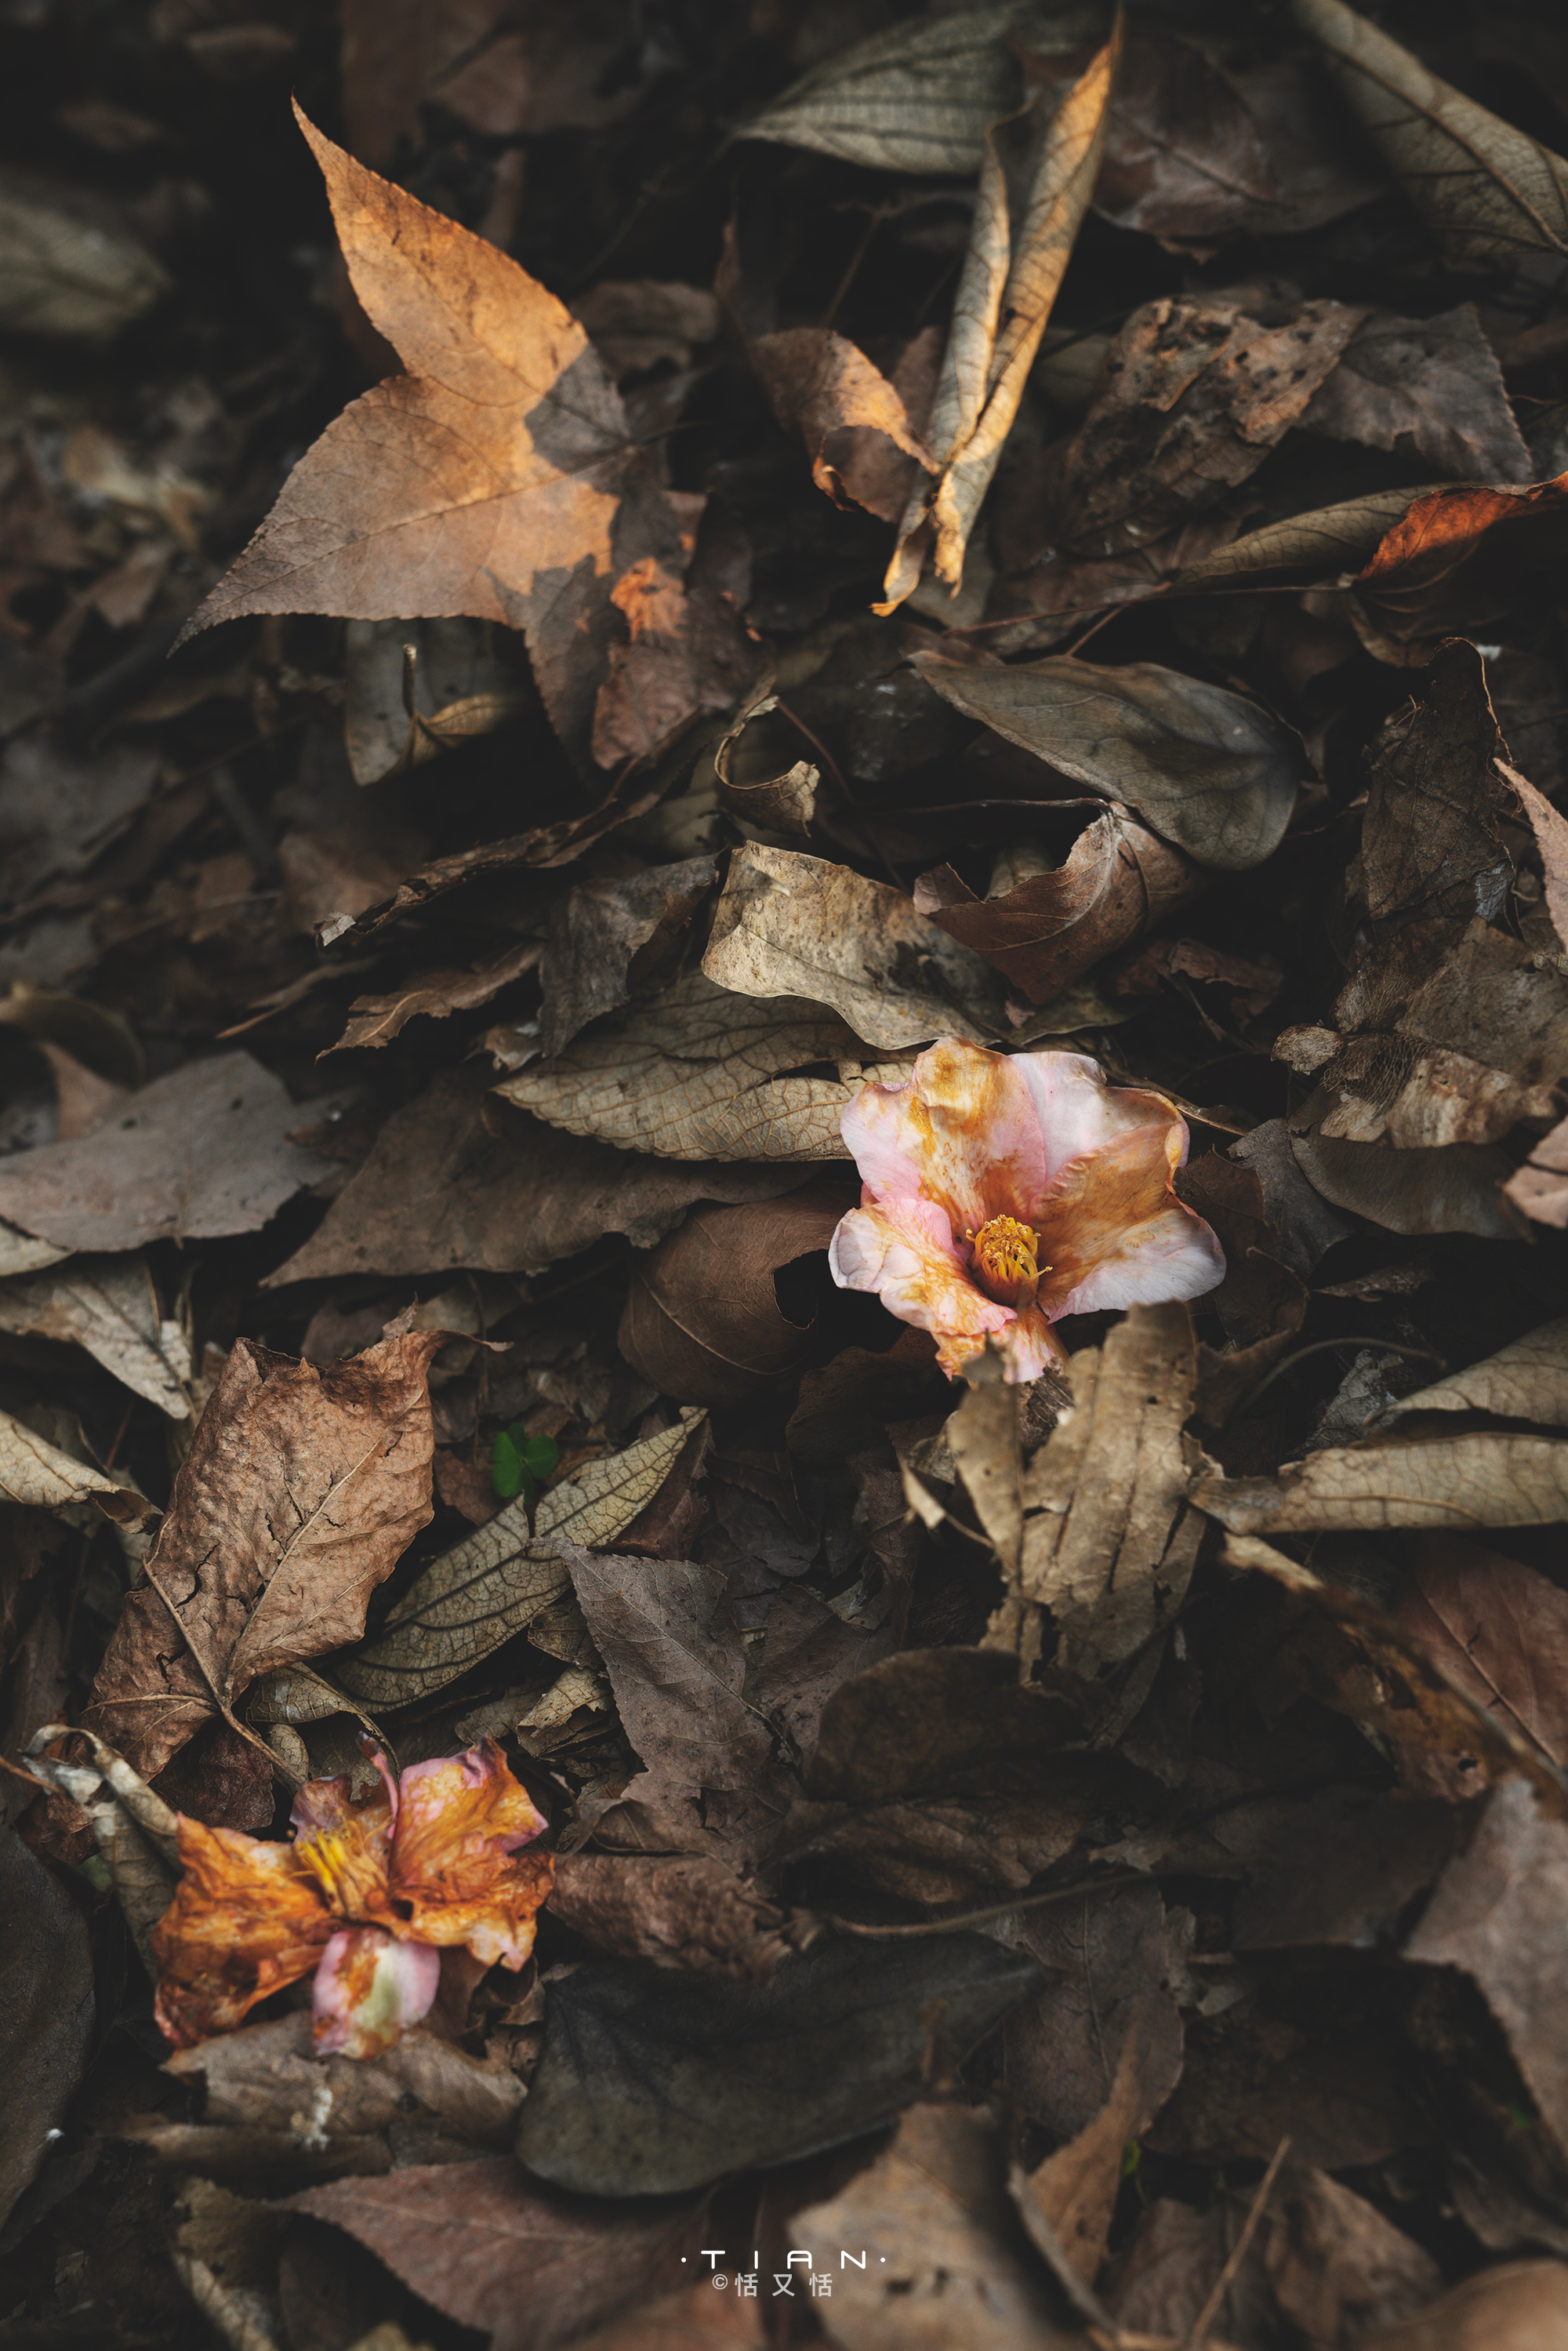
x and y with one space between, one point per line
497 479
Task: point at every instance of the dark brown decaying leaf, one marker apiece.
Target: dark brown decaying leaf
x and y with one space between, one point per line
1196 393
1074 2190
1107 1969
710 1316
495 2251
945 2265
647 2099
375 1021
1209 771
679 1911
1183 156
47 2014
300 1493
1489 191
1497 1628
458 1179
481 481
606 934
1118 881
194 1154
1431 385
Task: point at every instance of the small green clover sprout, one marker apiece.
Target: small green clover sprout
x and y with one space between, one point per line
518 1462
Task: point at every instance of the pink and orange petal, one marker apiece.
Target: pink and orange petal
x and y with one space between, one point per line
369 1988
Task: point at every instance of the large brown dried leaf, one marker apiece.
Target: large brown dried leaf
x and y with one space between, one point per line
1491 194
1184 155
793 925
1209 769
1107 1993
456 1180
1108 1542
678 1910
1431 387
488 480
1499 1630
945 2265
491 2250
1118 881
1452 1187
1526 1380
200 1152
1551 830
605 933
701 1073
475 1596
1036 175
1196 393
1431 838
300 1493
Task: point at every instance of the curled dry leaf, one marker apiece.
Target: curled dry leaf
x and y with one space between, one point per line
1209 769
1196 393
198 1154
497 469
300 1493
479 1594
1489 193
375 1021
755 784
1036 175
791 925
1118 881
1108 1544
701 1073
640 2098
710 1315
921 96
44 1477
944 2263
456 1180
826 389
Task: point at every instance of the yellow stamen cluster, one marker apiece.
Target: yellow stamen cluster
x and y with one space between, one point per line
1007 1260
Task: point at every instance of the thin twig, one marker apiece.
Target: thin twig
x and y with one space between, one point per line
993 1910
1197 2333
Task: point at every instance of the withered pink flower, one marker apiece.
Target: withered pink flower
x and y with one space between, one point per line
1001 1191
369 1893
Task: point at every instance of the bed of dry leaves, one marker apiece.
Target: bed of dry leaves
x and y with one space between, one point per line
643 560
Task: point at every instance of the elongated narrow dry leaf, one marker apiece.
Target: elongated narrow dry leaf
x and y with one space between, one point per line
476 1595
375 1021
700 1073
922 96
1464 1483
489 480
1316 546
107 1305
1037 176
1489 191
1207 768
793 925
300 1493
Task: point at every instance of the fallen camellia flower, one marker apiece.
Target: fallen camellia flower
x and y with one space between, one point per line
369 1893
1002 1191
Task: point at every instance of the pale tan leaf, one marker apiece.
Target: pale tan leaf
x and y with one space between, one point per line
1489 191
921 96
107 1305
488 1587
982 1434
793 925
482 482
700 1073
1037 176
44 1477
1526 1380
1550 830
1463 1482
1540 1188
